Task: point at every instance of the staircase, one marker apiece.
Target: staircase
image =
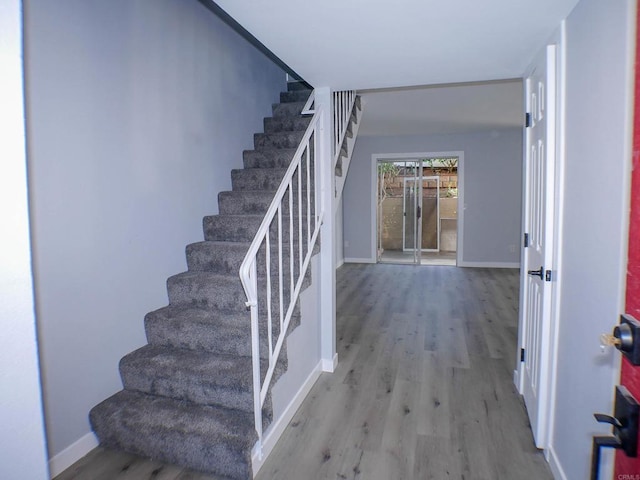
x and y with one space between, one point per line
188 393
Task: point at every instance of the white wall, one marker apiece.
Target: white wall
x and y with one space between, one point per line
339 234
492 191
137 111
22 440
598 105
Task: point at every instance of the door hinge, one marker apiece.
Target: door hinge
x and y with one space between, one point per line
522 354
527 120
526 240
547 275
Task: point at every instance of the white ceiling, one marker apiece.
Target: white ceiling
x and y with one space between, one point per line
443 109
363 44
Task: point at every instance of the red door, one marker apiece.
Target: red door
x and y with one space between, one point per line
630 375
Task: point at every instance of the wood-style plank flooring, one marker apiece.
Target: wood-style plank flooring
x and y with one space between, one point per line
423 389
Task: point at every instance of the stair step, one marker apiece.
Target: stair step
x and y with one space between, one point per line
257 178
298 85
243 228
287 109
226 257
245 202
219 257
211 439
295 96
226 333
268 157
213 291
231 228
278 140
206 290
196 376
254 202
286 124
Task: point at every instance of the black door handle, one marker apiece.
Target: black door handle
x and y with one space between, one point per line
537 273
598 443
419 212
625 429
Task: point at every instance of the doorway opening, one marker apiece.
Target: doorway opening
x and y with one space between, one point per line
417 210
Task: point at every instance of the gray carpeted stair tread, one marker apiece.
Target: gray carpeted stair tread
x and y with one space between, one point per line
220 257
286 124
206 290
205 438
227 333
243 228
226 257
222 292
287 109
233 228
278 139
257 178
197 376
268 157
251 202
298 85
295 96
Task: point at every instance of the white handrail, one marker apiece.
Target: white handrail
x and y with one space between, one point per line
297 197
296 194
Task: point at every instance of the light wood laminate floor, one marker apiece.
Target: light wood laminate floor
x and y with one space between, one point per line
423 389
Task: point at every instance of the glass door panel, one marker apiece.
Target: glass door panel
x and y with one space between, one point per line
409 215
431 214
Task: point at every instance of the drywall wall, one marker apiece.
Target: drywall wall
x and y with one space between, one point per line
303 346
339 252
137 111
599 55
492 192
22 440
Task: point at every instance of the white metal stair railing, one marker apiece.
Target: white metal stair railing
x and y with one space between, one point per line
298 208
344 111
343 103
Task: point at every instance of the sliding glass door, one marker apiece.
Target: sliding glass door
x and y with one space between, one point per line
409 208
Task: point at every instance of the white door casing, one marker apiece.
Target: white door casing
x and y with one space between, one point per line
538 212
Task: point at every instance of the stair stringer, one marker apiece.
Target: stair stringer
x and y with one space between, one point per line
304 366
348 145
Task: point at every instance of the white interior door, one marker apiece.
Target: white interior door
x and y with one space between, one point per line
536 281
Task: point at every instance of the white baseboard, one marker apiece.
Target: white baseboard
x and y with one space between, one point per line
554 464
70 455
490 264
340 263
359 260
329 365
275 431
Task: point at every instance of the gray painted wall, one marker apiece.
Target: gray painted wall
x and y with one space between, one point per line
492 191
303 345
22 440
592 269
137 111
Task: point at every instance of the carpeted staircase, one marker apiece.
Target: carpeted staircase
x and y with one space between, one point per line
187 396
